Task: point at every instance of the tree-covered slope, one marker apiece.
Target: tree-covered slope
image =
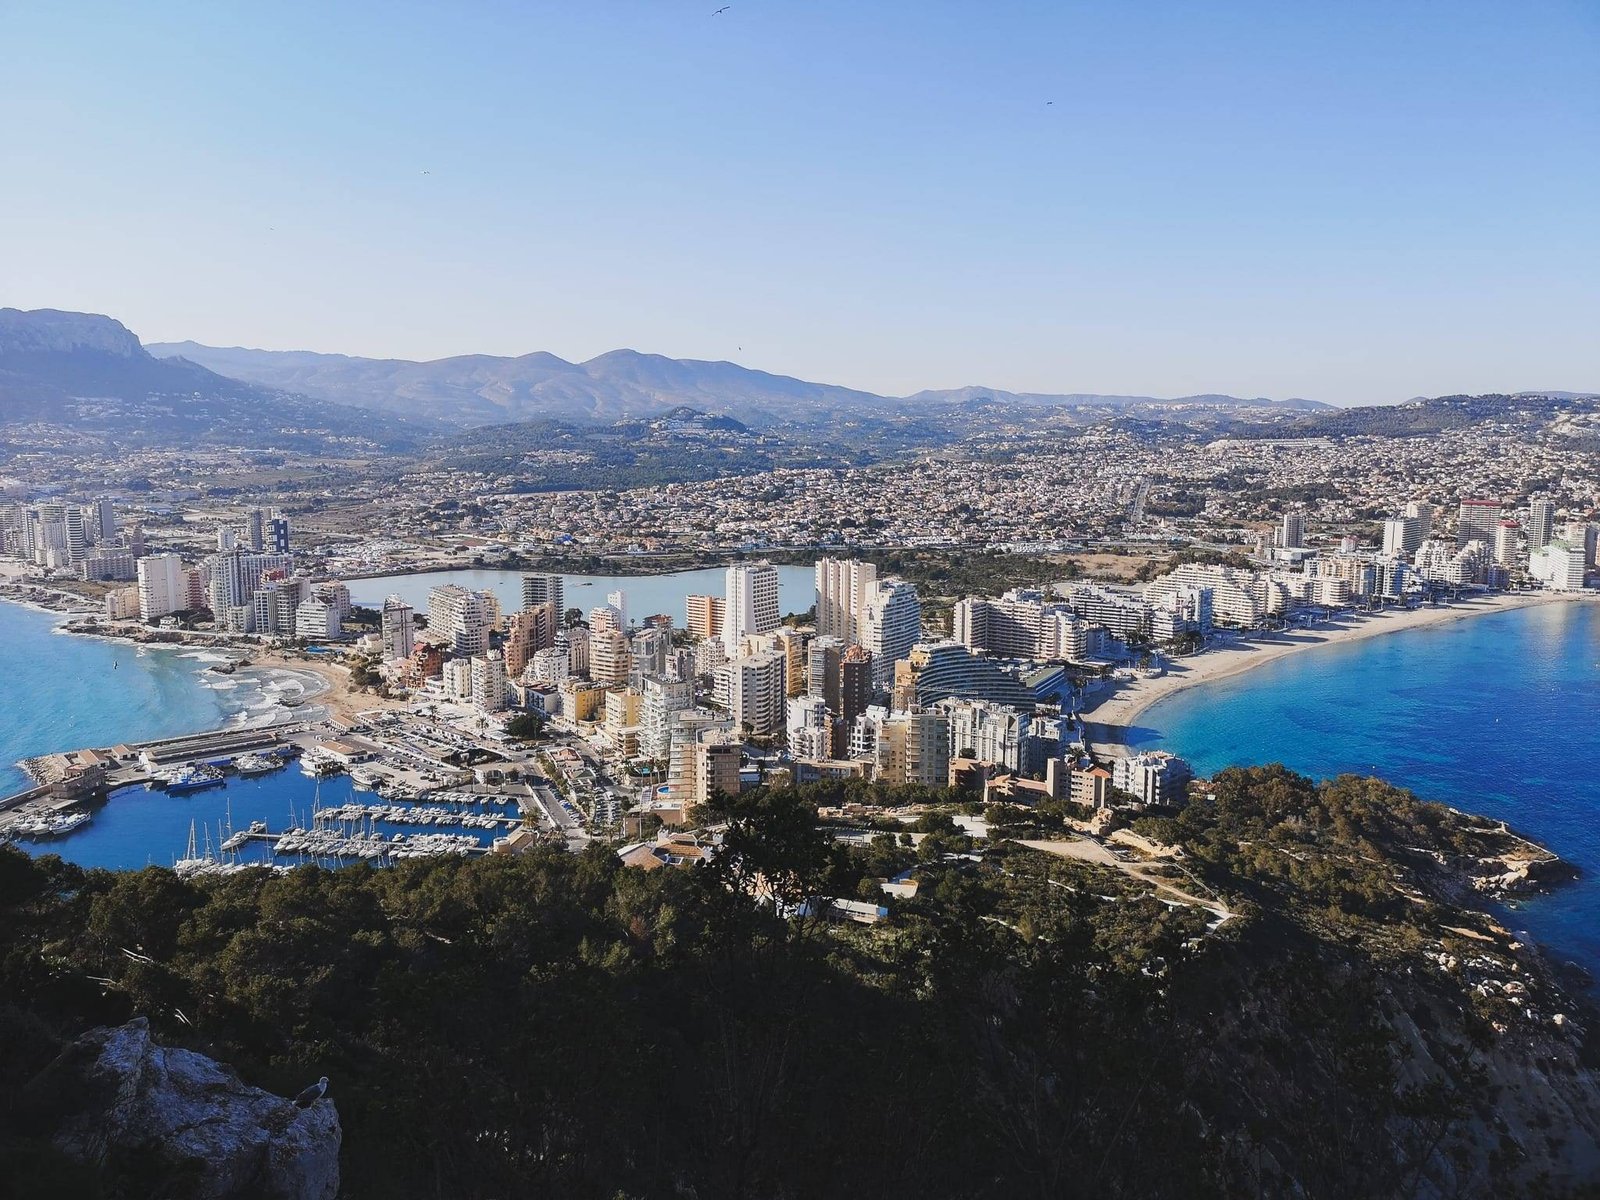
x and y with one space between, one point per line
1026 1025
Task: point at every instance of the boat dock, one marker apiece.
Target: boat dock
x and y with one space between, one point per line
74 777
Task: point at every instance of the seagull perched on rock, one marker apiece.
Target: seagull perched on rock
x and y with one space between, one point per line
312 1094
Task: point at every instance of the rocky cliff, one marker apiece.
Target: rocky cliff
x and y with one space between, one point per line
48 330
174 1123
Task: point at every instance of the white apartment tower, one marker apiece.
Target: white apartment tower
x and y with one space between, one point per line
756 691
163 586
399 630
890 625
544 589
844 586
752 602
459 620
1505 544
1293 533
1559 566
1402 535
488 681
1476 521
1541 524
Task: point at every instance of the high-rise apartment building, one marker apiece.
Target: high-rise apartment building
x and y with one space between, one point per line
844 585
704 759
991 733
103 522
823 677
529 631
163 586
935 670
399 630
660 702
278 533
316 620
1584 534
890 626
488 680
236 575
1505 543
459 620
705 615
794 643
1541 524
1402 535
605 619
576 643
256 526
1476 521
809 728
756 691
609 661
913 746
545 589
1292 535
855 692
648 650
751 602
1559 566
1023 624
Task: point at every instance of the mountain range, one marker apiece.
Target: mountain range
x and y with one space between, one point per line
480 389
89 377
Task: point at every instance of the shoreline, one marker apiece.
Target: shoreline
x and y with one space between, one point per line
1106 724
320 691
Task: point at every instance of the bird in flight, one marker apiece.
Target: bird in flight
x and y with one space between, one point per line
722 10
427 172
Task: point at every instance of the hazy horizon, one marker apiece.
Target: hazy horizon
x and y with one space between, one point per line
1354 205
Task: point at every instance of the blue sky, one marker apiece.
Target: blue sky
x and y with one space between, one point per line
1349 201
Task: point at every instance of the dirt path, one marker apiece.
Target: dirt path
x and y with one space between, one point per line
1090 851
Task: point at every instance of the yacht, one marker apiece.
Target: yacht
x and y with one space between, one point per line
257 764
367 778
52 826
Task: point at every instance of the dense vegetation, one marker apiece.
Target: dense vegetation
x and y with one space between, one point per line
1026 1025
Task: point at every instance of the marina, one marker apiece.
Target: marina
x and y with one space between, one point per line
217 802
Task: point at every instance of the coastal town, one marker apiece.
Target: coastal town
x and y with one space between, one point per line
607 722
796 601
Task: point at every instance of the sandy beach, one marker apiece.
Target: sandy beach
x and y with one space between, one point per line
331 693
1118 708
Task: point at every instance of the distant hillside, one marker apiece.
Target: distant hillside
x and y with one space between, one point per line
88 377
478 389
968 395
1423 418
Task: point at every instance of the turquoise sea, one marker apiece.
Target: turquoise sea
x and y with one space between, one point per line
1496 714
59 692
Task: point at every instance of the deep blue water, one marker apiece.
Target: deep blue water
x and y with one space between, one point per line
1496 714
137 828
646 594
